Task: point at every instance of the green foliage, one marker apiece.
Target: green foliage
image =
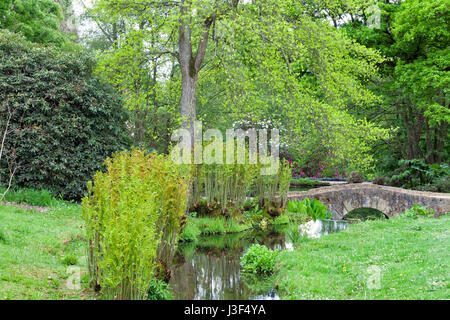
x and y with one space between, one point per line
38 20
413 80
190 231
158 290
70 260
416 211
273 61
283 219
315 209
208 225
293 234
133 214
416 174
222 189
269 186
259 259
65 121
422 42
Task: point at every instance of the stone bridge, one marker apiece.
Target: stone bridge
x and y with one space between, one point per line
341 199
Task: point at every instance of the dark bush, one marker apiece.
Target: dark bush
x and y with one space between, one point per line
418 175
65 120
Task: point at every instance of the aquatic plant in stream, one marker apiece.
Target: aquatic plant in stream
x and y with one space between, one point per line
259 259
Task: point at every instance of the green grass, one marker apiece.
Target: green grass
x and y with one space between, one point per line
36 249
32 197
411 254
207 226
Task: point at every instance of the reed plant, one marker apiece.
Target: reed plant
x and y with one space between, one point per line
133 213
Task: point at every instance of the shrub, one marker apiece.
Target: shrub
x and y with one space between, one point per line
65 121
355 177
416 211
158 290
133 214
259 259
315 209
416 174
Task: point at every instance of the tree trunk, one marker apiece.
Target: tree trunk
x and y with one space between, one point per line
188 100
413 130
190 65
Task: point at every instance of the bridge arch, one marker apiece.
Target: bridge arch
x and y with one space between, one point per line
365 214
341 199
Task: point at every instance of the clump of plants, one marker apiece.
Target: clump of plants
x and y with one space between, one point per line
158 290
312 208
355 177
224 189
133 214
416 211
416 174
258 259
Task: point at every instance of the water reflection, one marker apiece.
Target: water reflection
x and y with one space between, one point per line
210 268
319 228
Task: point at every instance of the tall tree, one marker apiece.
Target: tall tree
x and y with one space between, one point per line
414 80
263 59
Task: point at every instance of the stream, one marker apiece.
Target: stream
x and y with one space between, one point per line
209 269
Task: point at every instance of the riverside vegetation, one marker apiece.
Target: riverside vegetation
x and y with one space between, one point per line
350 100
36 249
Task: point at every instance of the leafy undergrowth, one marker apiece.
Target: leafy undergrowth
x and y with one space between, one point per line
408 256
37 251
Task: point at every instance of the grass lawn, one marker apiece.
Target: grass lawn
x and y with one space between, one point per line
412 255
36 249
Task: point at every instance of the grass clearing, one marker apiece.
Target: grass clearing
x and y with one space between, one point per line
411 254
36 249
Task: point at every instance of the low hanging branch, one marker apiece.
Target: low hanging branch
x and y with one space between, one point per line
11 159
